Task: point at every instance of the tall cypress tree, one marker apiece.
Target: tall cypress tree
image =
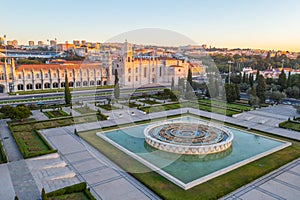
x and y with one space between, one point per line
261 89
257 75
251 80
189 81
282 80
117 85
68 96
289 81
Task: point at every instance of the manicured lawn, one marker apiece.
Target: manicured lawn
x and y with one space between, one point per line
131 104
290 125
55 114
84 110
62 90
74 192
225 104
108 107
212 189
73 196
150 102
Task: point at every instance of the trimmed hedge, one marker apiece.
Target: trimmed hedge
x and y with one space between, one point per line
80 187
23 147
3 158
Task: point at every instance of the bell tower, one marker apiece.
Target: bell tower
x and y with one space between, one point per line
127 52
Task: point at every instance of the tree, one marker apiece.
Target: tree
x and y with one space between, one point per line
20 112
257 75
217 86
117 85
276 96
68 96
254 101
237 91
244 78
211 86
261 89
230 93
251 81
6 110
189 82
289 81
172 84
282 80
44 195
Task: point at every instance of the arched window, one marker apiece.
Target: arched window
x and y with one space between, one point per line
29 86
92 83
78 84
62 84
47 85
55 85
129 70
85 83
20 87
38 86
71 84
98 82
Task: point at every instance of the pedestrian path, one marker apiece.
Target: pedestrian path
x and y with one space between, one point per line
283 183
23 181
10 147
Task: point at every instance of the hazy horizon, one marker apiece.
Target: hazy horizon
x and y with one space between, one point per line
266 24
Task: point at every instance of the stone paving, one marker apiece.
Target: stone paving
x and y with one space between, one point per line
9 145
23 181
6 187
51 172
281 184
106 180
38 115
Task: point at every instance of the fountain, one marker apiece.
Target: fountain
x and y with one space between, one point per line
188 138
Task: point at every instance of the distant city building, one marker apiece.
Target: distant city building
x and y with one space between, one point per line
2 39
31 43
53 42
76 43
40 43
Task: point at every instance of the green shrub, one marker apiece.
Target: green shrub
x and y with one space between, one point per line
80 187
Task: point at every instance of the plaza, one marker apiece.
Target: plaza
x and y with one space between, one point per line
79 160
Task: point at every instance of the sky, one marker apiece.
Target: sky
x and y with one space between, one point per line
264 24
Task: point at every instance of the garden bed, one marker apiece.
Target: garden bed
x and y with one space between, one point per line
84 110
108 107
55 114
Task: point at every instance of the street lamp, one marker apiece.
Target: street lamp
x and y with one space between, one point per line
5 48
229 62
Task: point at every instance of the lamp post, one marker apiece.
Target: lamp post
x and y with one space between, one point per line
5 48
229 62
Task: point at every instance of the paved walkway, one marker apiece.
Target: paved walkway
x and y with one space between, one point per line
23 182
38 115
280 184
6 187
9 145
106 180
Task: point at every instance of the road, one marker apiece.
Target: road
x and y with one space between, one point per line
88 95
